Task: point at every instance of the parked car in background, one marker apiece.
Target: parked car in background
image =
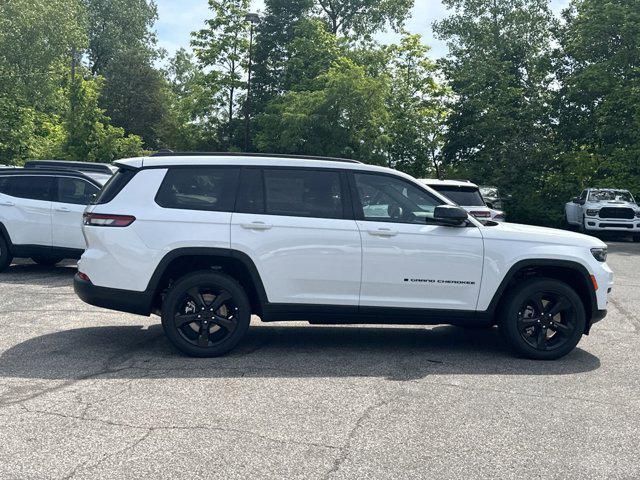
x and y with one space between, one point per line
41 214
467 195
101 172
604 210
492 197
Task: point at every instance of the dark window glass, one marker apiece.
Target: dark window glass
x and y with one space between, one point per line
115 185
4 185
76 191
199 188
30 187
251 192
303 193
466 196
388 199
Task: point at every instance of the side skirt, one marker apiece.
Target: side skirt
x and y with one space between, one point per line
27 251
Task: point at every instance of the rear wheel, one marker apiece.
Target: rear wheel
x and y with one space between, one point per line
5 255
206 314
47 261
544 319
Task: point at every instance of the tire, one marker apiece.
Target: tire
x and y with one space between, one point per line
193 327
5 255
527 326
582 228
636 238
47 261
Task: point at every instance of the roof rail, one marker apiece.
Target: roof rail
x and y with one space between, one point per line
169 153
68 165
17 172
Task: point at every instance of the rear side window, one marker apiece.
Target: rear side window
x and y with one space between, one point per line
303 193
115 185
467 196
199 188
29 187
75 191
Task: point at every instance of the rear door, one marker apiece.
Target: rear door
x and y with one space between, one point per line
25 208
72 195
297 225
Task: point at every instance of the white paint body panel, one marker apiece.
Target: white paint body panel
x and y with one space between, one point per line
27 221
66 225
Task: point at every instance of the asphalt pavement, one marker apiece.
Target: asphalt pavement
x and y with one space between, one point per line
87 393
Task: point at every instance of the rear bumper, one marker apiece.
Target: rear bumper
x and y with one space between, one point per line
113 298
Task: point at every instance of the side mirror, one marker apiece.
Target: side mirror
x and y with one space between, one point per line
575 200
450 215
489 204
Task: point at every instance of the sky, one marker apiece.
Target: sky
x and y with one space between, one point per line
178 18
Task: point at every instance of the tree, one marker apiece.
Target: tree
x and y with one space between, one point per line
115 26
221 49
599 101
134 96
360 18
342 116
499 68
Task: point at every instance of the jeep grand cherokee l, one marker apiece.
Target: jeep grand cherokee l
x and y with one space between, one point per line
207 241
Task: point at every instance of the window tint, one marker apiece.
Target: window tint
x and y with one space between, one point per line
467 196
251 192
30 187
76 191
388 199
115 185
303 193
199 188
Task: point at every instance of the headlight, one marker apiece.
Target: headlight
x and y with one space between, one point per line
637 213
592 213
599 254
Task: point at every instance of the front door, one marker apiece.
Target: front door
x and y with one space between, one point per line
407 260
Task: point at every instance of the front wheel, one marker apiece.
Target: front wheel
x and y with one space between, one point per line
206 314
544 319
636 238
5 255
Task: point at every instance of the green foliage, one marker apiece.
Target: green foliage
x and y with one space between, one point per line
361 18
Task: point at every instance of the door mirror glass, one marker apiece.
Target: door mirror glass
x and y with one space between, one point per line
450 215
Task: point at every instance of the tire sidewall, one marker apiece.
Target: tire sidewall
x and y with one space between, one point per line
206 278
518 296
5 256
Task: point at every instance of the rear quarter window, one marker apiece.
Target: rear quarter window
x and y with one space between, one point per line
115 185
199 188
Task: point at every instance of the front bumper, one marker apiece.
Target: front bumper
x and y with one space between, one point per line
598 224
113 298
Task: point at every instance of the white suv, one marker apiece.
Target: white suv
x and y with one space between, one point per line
206 241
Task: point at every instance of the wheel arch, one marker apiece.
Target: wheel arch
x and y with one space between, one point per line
182 261
572 273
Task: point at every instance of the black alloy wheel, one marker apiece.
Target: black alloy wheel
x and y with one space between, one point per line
543 318
206 314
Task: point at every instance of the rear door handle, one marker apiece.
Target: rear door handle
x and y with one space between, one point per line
383 232
256 226
62 209
8 204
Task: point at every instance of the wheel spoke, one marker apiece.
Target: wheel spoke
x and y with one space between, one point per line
561 328
537 302
219 301
528 322
560 305
182 319
203 335
195 294
541 340
226 323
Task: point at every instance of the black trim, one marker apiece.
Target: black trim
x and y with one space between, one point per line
28 251
69 165
169 153
112 298
37 172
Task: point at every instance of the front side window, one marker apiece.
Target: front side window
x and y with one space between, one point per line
199 188
75 191
387 199
303 193
29 187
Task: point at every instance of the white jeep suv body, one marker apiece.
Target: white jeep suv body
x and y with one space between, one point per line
468 196
41 214
206 241
604 210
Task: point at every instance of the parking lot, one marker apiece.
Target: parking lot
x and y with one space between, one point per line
91 393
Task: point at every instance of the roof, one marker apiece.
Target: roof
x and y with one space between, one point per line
451 183
169 153
80 166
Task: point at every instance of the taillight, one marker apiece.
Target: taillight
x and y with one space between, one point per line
106 220
84 276
481 214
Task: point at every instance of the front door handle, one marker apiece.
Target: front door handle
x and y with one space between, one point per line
62 209
383 232
256 226
8 204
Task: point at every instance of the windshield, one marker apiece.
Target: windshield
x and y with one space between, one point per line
610 195
464 196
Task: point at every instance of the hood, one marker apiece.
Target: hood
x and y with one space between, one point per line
530 233
611 203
